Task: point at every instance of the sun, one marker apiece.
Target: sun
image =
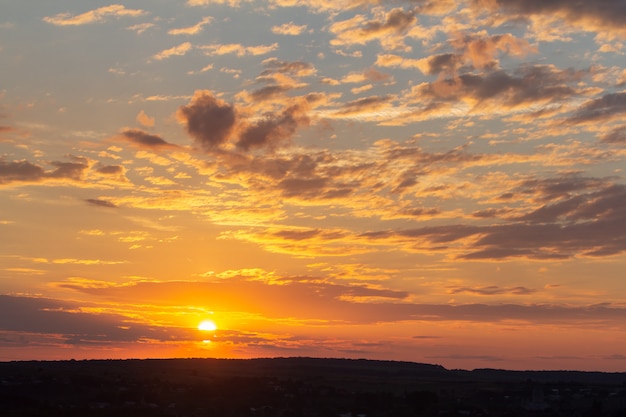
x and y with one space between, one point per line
207 325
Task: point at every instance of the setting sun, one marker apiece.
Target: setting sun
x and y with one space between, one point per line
207 325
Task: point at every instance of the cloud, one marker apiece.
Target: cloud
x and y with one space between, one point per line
497 90
144 140
492 290
93 16
111 169
178 50
293 68
100 203
24 171
207 119
237 48
389 30
604 108
20 171
274 130
66 320
600 16
192 30
616 136
214 123
365 105
475 51
290 29
566 224
144 119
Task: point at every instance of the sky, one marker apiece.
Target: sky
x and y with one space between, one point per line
429 181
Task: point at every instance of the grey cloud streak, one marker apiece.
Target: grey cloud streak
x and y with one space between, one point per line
326 301
145 140
64 318
600 109
528 84
594 15
589 224
24 171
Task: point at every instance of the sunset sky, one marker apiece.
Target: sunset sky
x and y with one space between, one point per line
432 181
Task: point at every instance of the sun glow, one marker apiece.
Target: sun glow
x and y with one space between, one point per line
207 325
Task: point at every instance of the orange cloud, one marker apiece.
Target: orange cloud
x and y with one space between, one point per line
238 49
389 30
178 50
290 29
93 16
144 119
192 30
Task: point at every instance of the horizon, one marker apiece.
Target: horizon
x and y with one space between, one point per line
437 182
314 358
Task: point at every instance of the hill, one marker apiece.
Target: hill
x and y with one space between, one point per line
298 387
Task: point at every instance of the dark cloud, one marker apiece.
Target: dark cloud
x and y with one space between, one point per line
490 213
605 15
303 186
421 212
212 122
24 171
546 189
309 234
209 120
71 170
418 156
111 169
600 109
20 171
615 137
617 356
589 224
492 290
269 92
444 63
100 203
397 20
366 104
297 68
529 84
274 130
144 139
316 188
65 319
552 212
298 234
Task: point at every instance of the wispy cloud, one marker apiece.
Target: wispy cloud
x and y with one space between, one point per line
178 50
289 29
192 30
93 16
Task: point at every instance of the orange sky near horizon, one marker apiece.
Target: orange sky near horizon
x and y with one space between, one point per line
416 180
